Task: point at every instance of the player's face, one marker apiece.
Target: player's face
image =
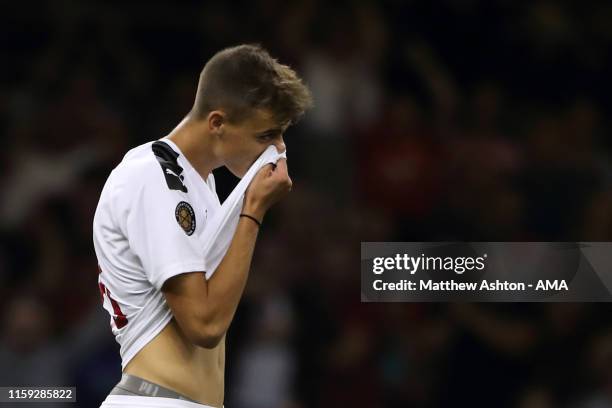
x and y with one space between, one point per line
244 142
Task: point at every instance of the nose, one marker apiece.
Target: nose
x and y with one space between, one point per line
280 145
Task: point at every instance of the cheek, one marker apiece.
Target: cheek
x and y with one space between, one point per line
242 153
237 155
245 149
240 149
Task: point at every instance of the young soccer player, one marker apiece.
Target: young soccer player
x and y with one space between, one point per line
169 320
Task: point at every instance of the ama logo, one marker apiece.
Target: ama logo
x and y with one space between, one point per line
555 285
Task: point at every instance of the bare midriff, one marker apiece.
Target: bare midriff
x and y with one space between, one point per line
172 361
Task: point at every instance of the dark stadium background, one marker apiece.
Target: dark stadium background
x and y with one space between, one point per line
441 120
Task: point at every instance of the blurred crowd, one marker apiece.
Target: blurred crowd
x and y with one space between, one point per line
434 121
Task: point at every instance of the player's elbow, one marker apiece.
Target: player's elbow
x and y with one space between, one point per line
208 336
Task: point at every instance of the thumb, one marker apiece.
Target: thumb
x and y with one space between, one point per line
281 166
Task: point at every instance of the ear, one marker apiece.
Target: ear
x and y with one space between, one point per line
216 119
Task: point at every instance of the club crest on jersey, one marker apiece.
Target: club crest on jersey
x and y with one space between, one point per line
185 216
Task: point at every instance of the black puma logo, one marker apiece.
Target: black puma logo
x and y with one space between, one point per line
167 159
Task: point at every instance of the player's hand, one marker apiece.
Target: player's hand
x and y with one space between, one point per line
268 186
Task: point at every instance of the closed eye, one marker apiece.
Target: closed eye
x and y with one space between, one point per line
267 136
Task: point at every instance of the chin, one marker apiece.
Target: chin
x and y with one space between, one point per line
238 173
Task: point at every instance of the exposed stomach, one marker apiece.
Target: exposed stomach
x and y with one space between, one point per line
172 361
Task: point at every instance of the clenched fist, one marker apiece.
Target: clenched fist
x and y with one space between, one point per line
269 185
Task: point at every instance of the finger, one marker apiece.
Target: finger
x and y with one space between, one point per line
275 164
266 169
281 166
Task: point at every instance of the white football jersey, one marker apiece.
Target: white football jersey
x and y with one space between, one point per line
147 228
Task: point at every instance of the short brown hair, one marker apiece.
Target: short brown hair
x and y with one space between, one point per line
242 78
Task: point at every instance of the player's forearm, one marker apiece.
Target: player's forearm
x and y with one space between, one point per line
227 284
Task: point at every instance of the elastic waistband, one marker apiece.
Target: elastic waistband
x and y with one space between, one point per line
132 385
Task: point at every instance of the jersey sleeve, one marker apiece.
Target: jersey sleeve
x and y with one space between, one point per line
160 227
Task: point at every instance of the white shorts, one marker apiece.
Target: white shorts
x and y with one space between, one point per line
137 401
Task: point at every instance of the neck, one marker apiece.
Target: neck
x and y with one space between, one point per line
196 144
